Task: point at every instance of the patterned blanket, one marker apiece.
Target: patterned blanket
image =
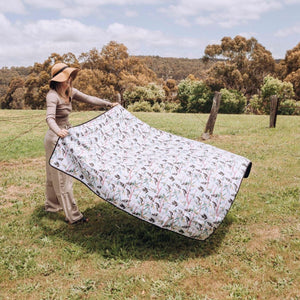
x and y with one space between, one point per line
170 181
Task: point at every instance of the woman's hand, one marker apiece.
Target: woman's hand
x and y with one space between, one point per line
63 133
114 104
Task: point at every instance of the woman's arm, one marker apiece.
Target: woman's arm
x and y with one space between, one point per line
79 96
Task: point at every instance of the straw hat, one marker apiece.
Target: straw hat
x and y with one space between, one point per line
60 72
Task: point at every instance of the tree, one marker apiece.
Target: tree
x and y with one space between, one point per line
16 83
119 70
289 69
88 81
7 75
90 60
123 71
171 89
18 101
242 64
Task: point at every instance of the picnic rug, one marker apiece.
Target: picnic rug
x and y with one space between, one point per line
175 183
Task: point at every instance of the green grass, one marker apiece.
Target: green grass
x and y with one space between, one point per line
254 254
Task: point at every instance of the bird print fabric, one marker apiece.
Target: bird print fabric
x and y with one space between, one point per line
175 183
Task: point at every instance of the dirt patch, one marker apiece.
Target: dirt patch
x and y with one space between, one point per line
148 269
16 180
24 163
261 235
209 286
12 193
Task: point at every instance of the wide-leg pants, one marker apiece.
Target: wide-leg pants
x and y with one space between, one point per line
59 186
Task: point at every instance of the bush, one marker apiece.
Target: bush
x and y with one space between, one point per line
256 106
171 106
232 102
194 96
156 107
140 106
273 86
152 93
289 107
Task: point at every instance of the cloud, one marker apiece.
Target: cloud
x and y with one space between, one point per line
12 6
9 34
53 4
133 35
293 30
61 30
131 13
25 39
226 13
151 42
79 8
292 1
35 41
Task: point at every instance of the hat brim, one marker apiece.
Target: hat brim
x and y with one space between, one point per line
65 74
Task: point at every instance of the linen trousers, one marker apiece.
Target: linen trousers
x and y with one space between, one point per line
59 186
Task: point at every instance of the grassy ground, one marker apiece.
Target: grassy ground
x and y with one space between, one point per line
254 254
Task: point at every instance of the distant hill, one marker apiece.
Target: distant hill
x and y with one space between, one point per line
176 68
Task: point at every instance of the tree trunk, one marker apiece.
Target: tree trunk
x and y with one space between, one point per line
209 128
273 111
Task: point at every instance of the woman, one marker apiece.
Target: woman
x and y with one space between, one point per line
59 186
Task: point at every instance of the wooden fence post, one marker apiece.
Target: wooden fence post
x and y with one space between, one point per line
273 110
209 128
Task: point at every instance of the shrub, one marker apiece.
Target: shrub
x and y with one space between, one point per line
194 96
156 107
152 93
276 87
232 102
140 106
171 106
256 106
289 107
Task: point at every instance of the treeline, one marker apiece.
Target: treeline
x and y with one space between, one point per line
242 69
177 68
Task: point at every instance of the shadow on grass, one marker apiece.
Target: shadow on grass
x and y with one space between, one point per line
116 234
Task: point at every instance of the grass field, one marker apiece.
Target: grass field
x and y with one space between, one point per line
254 254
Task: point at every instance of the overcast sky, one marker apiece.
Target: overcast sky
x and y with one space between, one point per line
30 30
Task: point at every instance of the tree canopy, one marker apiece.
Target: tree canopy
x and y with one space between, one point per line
242 65
289 69
119 71
104 74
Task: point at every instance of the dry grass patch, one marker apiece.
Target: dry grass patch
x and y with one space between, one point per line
262 234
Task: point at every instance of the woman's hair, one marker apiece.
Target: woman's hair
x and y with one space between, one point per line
54 85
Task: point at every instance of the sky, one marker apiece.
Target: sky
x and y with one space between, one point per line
30 30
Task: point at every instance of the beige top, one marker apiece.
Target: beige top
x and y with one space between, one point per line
58 110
